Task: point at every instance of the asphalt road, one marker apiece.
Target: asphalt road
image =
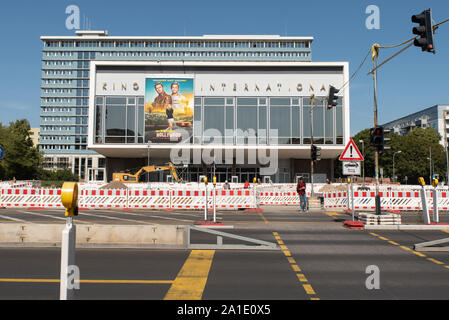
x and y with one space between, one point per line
318 259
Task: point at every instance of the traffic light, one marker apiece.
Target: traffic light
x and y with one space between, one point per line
332 99
377 138
424 31
315 153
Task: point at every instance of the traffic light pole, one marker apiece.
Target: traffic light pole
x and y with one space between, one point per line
375 51
311 144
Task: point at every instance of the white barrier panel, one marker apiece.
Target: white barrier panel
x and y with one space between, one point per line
390 200
31 198
97 199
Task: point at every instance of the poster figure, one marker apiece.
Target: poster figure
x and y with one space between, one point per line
168 109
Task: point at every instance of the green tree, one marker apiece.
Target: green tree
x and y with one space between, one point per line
22 159
412 162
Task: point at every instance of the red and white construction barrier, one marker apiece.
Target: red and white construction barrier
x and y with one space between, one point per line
390 200
132 199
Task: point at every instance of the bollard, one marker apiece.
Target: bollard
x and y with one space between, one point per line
436 218
206 204
69 198
425 209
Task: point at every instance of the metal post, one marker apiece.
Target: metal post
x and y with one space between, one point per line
215 209
375 50
445 146
311 161
435 206
205 206
352 198
68 244
363 162
395 180
425 209
430 165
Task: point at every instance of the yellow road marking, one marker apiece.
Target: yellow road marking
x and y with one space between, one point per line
419 254
406 248
90 281
373 234
191 279
287 253
435 261
332 214
383 238
447 231
395 243
263 218
447 267
301 277
308 288
296 268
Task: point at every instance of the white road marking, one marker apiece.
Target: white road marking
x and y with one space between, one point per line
113 218
147 215
13 219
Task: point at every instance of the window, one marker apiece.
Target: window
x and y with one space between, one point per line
247 120
280 120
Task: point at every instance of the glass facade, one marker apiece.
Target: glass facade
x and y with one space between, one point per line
229 120
65 85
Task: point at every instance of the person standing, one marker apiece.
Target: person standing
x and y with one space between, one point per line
301 189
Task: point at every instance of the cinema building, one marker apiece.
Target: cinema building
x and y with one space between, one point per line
239 104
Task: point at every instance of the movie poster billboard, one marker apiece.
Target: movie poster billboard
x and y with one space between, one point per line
168 109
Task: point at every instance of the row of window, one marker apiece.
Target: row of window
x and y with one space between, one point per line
59 72
57 90
52 109
79 120
76 73
203 54
77 83
79 92
62 147
77 101
78 130
79 111
77 64
57 81
56 138
178 44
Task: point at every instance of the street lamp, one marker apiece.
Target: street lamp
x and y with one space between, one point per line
393 164
430 169
363 162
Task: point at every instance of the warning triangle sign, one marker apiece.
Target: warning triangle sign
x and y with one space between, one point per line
351 152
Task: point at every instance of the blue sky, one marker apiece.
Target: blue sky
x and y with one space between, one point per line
412 81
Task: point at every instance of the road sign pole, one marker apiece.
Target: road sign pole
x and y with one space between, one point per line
375 55
352 197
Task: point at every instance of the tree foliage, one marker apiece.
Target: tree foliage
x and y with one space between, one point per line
412 162
22 159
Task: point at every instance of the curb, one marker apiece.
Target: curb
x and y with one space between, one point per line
407 227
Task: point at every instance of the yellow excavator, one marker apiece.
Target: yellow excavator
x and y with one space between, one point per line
134 178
